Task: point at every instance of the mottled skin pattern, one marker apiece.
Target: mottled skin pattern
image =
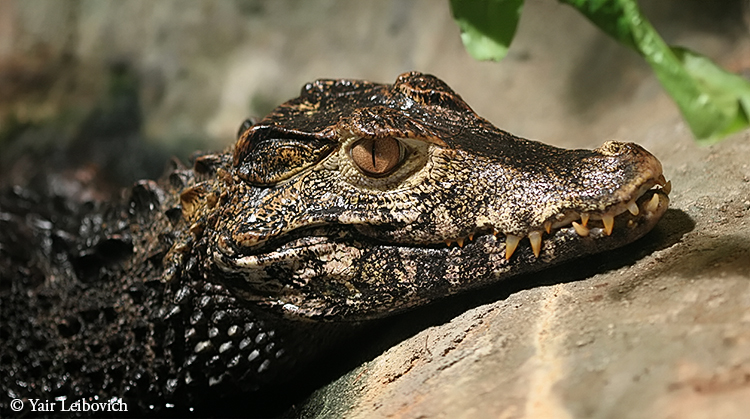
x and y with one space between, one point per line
233 274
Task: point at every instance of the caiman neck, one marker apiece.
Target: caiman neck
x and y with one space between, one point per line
187 213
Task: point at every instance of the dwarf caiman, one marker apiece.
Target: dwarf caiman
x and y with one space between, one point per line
352 202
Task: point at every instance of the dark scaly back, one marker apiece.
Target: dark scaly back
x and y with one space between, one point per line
85 312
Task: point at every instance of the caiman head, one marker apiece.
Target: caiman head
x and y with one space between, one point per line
357 200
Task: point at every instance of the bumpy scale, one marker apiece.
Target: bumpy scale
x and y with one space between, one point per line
352 202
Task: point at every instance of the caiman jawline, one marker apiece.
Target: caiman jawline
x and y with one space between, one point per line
598 223
653 190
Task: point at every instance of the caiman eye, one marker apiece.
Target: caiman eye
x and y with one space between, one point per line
377 157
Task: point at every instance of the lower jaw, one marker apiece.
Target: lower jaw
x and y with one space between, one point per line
570 242
592 233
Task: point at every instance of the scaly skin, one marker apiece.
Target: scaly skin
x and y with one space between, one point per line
350 203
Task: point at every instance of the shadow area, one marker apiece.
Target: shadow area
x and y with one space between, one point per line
716 256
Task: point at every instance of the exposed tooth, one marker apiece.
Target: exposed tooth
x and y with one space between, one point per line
667 188
511 242
448 243
653 204
535 237
548 226
584 219
633 208
581 230
494 232
609 223
471 237
460 241
661 180
631 224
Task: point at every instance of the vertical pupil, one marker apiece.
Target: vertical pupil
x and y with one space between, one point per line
376 156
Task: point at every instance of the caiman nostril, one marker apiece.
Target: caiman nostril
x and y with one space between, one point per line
615 148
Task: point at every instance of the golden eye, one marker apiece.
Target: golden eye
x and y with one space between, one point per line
377 157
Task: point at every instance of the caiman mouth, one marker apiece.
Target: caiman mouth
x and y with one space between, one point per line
648 201
617 183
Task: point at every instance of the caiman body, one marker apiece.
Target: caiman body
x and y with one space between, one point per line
350 203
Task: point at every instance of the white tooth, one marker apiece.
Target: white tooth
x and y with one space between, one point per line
584 219
633 208
580 229
609 223
535 237
653 204
511 242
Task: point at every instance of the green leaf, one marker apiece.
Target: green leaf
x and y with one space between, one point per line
730 92
714 102
605 14
487 26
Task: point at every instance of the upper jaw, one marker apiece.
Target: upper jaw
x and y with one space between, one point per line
637 189
630 202
535 215
634 185
649 202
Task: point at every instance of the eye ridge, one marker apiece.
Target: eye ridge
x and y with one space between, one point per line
269 161
377 157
